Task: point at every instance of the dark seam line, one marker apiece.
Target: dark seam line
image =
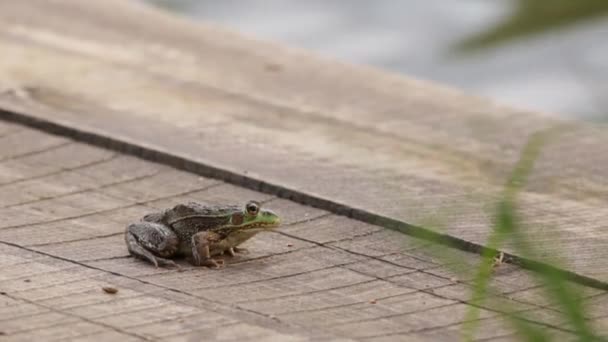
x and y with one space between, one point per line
94 277
49 272
183 163
306 293
430 292
168 288
88 320
110 209
31 153
75 240
81 191
431 329
61 170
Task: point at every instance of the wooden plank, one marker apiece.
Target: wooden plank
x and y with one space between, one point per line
314 279
28 142
45 164
7 128
395 147
211 193
81 228
59 332
34 322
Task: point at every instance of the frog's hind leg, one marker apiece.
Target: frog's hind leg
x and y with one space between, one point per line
153 242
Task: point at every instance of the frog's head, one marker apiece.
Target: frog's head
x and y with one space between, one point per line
254 218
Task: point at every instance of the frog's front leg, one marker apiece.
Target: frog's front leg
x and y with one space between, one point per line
202 243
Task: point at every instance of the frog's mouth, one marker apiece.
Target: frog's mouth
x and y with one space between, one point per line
263 226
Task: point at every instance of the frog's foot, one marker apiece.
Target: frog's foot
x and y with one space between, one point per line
167 263
212 263
240 250
153 242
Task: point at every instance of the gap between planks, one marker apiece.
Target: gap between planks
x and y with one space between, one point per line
301 197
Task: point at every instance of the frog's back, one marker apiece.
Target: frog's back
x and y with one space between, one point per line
190 218
195 210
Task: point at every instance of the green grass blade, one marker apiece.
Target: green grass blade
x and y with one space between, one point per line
506 225
536 16
554 281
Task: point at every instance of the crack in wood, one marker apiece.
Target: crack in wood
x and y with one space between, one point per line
176 290
35 152
111 209
62 170
92 189
182 163
51 309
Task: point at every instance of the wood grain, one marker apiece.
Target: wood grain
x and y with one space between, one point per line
393 147
320 277
350 139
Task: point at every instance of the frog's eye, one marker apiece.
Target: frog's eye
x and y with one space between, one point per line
252 208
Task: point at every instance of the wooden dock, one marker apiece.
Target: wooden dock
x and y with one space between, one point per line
113 109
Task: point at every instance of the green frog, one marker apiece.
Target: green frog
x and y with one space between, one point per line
198 232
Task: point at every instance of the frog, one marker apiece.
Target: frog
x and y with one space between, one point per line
197 232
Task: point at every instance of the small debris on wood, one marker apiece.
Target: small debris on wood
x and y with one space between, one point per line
3 293
2 333
373 301
110 290
27 280
498 260
273 67
290 245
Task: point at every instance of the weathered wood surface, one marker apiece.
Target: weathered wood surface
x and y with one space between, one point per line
395 147
321 277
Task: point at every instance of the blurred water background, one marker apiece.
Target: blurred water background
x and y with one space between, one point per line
561 71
